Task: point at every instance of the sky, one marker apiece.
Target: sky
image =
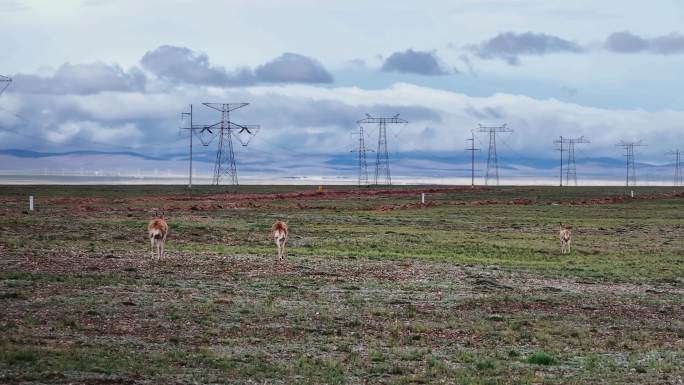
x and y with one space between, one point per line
114 75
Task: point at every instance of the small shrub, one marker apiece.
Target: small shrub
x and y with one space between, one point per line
12 295
485 365
376 356
542 358
17 354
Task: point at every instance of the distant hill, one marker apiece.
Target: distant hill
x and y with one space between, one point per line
283 165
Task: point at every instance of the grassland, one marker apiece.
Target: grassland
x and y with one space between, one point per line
469 288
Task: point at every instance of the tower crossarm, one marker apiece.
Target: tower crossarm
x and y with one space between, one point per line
394 120
225 107
240 128
4 83
502 128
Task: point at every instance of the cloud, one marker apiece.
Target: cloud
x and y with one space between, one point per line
484 113
308 119
183 65
149 120
94 132
570 91
82 79
509 45
627 42
468 63
293 112
175 65
293 68
416 62
12 6
357 63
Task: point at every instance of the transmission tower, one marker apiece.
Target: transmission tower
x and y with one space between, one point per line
492 159
571 167
678 167
225 130
382 165
363 165
472 150
4 83
629 158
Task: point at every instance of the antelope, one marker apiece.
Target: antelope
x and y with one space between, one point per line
279 232
157 230
565 236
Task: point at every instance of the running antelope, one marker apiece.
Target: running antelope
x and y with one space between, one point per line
279 232
158 230
565 236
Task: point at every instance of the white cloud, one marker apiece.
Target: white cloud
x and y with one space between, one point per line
312 119
84 132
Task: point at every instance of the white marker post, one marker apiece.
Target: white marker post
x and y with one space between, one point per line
422 198
632 193
31 203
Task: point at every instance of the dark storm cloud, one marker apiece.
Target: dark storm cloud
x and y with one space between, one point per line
82 79
509 45
416 62
293 68
627 42
183 65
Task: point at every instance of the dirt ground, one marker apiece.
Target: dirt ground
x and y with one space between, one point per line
376 288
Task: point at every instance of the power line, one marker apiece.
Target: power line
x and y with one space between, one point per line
191 127
472 150
345 148
492 158
571 166
678 167
629 158
5 82
382 164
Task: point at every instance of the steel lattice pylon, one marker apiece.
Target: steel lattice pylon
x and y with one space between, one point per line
225 154
363 165
571 166
629 158
492 157
678 167
382 164
225 163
